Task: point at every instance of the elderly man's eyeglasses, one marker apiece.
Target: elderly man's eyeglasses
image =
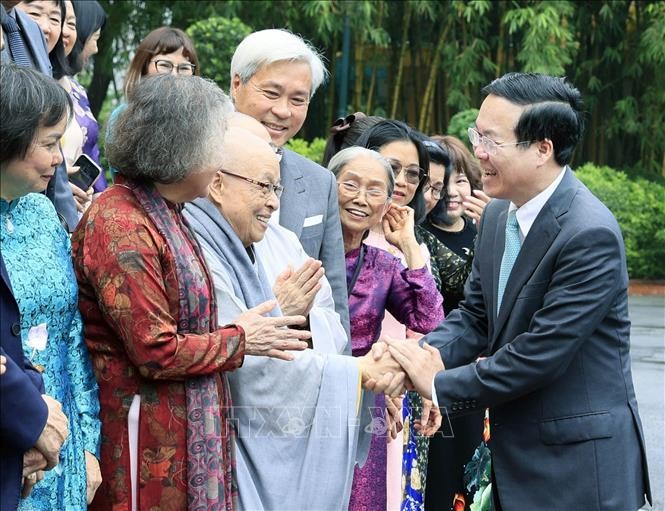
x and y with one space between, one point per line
373 194
436 191
488 145
412 173
164 67
266 188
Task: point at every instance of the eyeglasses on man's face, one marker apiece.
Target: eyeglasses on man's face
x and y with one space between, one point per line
164 66
266 188
487 144
412 173
373 194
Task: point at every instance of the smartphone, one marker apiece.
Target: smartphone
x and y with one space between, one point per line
87 173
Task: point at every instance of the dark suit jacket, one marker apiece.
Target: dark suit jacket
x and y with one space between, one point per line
23 412
565 429
58 190
310 195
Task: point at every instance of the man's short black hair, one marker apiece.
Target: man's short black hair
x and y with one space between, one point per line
554 110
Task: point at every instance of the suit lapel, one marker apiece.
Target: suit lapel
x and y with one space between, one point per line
292 204
544 230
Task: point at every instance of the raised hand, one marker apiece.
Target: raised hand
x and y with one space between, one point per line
269 336
399 230
295 290
420 364
474 205
54 434
399 225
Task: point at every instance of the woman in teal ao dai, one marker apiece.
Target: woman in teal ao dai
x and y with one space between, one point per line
37 253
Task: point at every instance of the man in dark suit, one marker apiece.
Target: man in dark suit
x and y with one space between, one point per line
547 302
28 49
32 426
274 74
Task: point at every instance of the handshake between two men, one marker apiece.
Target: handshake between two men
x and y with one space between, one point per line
396 365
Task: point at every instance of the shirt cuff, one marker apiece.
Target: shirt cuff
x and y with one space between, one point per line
435 400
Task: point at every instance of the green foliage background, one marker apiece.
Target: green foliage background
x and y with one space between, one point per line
639 206
425 61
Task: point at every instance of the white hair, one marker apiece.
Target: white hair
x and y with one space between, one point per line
274 45
346 156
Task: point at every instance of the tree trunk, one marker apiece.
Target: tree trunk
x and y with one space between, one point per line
102 73
359 65
402 57
372 86
425 108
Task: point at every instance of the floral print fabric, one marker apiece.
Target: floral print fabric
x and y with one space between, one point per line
37 254
129 300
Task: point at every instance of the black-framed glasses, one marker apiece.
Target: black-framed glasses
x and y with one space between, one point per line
488 145
279 152
412 173
164 67
266 188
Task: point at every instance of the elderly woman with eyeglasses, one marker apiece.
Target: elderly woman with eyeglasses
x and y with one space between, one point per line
147 301
403 148
378 282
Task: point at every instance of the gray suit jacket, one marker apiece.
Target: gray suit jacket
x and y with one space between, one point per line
58 190
310 197
566 433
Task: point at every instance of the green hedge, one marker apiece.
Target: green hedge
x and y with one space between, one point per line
312 150
639 206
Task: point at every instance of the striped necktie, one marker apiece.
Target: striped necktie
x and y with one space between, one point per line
510 251
15 42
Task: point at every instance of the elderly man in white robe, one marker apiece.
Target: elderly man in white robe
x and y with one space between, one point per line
301 425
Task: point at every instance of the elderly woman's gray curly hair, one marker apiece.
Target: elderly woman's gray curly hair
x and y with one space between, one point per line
173 126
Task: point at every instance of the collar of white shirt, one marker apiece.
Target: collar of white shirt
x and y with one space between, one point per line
526 215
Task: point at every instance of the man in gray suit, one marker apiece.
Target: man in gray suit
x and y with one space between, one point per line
274 75
28 48
547 304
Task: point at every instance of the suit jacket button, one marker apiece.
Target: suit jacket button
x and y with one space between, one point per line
16 329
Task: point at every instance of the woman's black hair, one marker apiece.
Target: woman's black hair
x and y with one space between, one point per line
90 17
389 130
29 100
345 132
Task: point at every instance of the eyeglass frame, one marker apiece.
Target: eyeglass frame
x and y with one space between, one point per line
266 188
387 197
422 173
438 189
488 145
173 66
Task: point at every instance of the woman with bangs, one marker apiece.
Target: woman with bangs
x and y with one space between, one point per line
36 251
165 50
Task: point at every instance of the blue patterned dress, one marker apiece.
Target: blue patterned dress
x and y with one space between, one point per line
37 253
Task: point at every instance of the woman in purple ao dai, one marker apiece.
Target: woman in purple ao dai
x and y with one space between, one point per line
377 281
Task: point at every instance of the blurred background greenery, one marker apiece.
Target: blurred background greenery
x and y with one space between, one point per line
426 61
